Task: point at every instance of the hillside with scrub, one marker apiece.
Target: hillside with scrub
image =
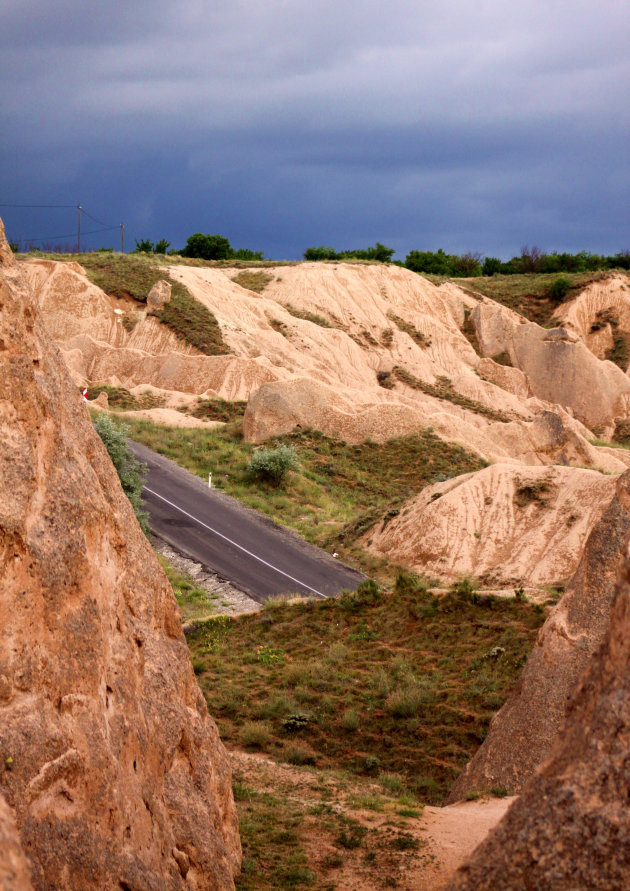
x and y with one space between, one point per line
463 442
384 382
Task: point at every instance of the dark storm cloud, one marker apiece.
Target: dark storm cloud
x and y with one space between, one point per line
472 126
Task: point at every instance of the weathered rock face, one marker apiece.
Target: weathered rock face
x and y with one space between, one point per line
510 525
558 369
159 294
522 733
14 873
599 313
108 757
570 828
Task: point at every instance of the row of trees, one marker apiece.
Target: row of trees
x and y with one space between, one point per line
531 260
379 252
203 247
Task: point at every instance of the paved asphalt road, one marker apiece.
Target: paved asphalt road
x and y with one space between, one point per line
239 544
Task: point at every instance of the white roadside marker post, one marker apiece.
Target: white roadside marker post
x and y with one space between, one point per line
209 480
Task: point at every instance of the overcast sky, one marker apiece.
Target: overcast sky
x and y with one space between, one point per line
471 125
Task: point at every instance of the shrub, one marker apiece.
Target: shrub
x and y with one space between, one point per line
255 734
296 722
351 720
272 465
559 289
207 247
300 756
130 471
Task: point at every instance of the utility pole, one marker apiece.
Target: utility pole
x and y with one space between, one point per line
122 238
79 209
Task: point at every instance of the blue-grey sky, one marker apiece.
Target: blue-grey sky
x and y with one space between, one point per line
471 125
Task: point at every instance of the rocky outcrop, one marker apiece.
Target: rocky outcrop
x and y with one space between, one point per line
512 526
522 733
558 367
14 872
108 757
599 314
570 828
159 294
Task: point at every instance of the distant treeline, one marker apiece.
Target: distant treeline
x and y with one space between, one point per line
378 252
203 247
469 265
531 260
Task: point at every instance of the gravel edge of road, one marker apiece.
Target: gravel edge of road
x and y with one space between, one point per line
226 598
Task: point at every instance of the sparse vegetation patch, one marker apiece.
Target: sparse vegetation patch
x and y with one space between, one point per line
308 316
412 706
443 389
417 336
193 322
131 276
121 398
533 492
253 280
217 410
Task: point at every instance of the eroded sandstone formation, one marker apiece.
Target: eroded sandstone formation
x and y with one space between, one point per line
108 758
512 526
559 367
570 828
522 733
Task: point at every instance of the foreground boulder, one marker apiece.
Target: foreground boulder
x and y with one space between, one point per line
109 760
522 733
570 828
14 872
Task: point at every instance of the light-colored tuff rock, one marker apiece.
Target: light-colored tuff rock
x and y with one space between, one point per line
559 368
108 757
570 827
159 294
510 379
324 331
513 526
598 313
14 871
521 734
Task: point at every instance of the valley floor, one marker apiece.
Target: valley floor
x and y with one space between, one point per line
303 827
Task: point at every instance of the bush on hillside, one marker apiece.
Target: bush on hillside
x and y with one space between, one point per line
216 247
380 252
272 465
559 289
131 472
146 246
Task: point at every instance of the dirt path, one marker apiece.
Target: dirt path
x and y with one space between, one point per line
359 838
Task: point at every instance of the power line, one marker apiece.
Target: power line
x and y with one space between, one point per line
77 234
41 205
67 235
100 222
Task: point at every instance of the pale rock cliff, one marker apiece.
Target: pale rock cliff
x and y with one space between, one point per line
511 526
598 313
559 368
522 732
570 828
108 758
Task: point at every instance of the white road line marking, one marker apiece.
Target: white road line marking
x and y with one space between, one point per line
236 545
